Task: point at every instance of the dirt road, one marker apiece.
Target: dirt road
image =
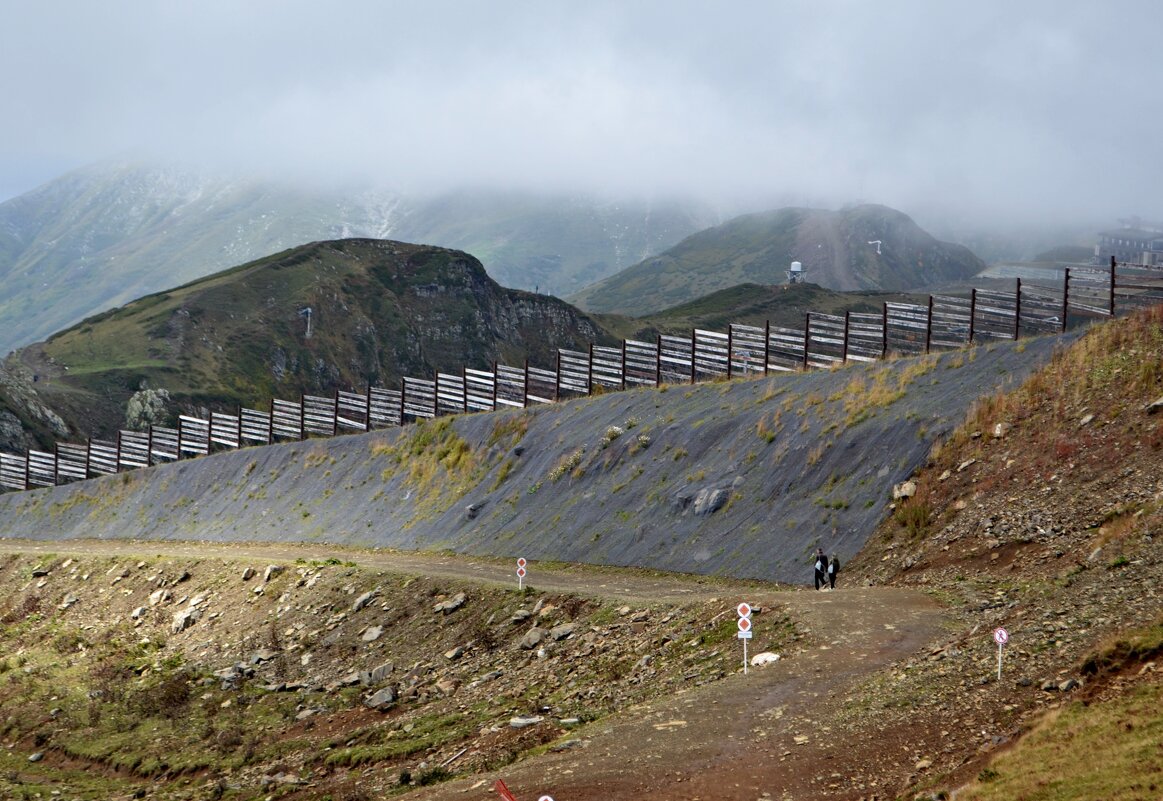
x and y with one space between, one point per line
769 734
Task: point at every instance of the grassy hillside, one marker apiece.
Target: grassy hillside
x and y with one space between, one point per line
107 234
379 310
758 248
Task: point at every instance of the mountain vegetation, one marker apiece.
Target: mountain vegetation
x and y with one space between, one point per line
104 235
320 317
837 249
1009 486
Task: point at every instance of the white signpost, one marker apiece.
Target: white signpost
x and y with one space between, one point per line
521 573
1001 637
744 610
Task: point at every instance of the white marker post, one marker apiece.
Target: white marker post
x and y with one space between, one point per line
521 573
744 610
1001 637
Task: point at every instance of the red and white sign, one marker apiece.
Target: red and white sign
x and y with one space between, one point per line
1001 636
744 628
521 561
520 572
744 609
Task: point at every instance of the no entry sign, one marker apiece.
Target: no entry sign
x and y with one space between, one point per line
1001 636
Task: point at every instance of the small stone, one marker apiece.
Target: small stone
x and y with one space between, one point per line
923 764
1067 685
966 464
158 596
381 672
381 699
520 615
1153 406
1000 430
945 476
765 658
532 638
558 633
271 572
372 633
138 613
363 600
524 722
184 619
1086 420
905 489
248 574
37 757
455 653
452 604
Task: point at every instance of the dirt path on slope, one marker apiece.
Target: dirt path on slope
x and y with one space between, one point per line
767 734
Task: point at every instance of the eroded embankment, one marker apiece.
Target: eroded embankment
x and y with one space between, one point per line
741 478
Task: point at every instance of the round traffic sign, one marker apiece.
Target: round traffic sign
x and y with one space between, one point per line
521 562
1000 636
744 624
744 609
521 572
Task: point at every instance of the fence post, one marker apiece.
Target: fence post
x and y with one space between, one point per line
1065 297
335 415
404 388
27 460
270 428
658 360
590 372
495 382
972 313
557 384
847 320
149 443
56 473
807 336
929 327
464 387
525 387
367 408
302 416
117 458
179 457
730 347
884 330
766 344
1018 309
435 393
694 353
237 427
1112 287
89 455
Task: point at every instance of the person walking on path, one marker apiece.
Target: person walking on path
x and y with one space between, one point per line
833 569
821 567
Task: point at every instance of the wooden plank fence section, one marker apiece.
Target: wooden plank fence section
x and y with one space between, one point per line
906 328
254 426
132 450
42 469
72 462
510 386
163 444
319 416
865 336
479 390
676 359
573 372
710 354
826 340
385 407
14 471
419 398
102 458
351 410
286 420
541 385
786 349
606 367
450 397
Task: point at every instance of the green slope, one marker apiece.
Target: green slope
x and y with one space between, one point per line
758 248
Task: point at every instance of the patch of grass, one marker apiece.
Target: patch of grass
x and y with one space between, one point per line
1120 740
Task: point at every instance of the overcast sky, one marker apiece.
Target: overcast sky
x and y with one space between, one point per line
982 108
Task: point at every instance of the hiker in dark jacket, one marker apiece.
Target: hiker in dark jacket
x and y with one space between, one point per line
821 567
833 569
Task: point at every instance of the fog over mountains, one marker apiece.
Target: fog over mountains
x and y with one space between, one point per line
99 237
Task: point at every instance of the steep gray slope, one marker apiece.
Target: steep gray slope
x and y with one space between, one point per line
796 461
